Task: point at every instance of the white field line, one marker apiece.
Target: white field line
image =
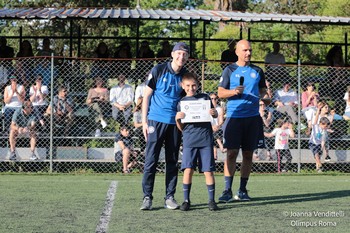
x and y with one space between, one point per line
102 226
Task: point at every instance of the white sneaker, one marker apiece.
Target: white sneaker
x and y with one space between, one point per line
98 133
103 123
33 157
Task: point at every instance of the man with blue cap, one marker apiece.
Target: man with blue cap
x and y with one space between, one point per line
161 96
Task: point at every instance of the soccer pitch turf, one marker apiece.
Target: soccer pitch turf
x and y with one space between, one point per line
110 203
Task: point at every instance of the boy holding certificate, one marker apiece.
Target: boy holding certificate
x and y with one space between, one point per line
197 139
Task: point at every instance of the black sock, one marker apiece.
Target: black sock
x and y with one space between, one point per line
243 184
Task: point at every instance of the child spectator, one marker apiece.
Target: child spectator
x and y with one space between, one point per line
197 144
124 150
319 137
282 133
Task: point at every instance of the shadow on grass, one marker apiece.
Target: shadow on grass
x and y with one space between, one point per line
296 198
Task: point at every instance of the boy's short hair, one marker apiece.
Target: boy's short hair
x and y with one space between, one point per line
324 120
122 127
190 76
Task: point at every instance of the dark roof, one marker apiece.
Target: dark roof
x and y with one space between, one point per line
193 14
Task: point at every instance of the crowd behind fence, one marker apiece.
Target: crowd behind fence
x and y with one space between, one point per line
83 137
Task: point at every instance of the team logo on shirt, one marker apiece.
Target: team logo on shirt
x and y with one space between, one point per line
149 76
165 80
253 75
150 129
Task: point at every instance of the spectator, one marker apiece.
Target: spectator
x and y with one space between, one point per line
121 98
124 150
282 133
23 123
38 94
123 52
334 57
165 51
319 136
286 99
137 120
229 55
274 62
195 147
324 112
158 119
5 50
63 107
24 63
140 89
98 103
346 115
6 68
309 100
14 96
144 65
46 50
216 125
101 67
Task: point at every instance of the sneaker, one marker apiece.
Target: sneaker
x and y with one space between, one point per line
185 206
13 156
212 205
171 204
98 133
146 204
33 157
226 196
242 196
103 123
327 159
319 170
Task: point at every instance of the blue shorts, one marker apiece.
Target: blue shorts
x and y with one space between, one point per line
204 156
242 133
316 149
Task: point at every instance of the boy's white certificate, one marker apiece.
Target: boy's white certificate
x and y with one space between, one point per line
195 111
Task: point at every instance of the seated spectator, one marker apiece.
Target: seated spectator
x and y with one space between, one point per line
46 50
165 51
309 100
286 99
24 63
123 53
121 98
101 67
274 62
334 57
229 55
98 103
124 150
346 115
137 120
324 111
23 123
140 90
38 94
145 51
14 96
217 124
145 65
63 107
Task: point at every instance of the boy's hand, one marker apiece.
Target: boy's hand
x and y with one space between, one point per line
180 115
213 112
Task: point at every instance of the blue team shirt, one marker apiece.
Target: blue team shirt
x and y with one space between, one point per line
246 105
197 134
166 85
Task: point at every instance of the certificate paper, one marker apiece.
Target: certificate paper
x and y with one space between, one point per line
195 111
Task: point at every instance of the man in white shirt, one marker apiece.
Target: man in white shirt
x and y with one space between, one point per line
121 98
286 99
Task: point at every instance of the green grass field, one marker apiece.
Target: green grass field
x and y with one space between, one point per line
74 203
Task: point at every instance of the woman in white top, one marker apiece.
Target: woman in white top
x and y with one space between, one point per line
38 94
14 95
346 115
216 124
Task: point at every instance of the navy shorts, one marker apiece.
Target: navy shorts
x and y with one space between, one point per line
242 133
204 156
316 149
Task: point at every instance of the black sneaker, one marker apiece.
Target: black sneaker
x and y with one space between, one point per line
212 206
185 206
327 159
13 156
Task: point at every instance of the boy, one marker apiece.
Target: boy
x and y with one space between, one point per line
197 144
319 137
124 149
282 133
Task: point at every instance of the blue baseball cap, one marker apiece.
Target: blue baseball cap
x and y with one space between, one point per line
181 46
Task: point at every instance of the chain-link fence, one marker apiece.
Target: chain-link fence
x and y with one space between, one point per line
79 131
